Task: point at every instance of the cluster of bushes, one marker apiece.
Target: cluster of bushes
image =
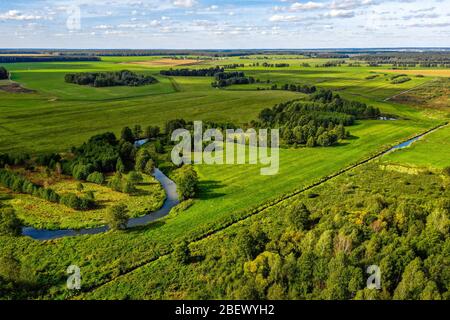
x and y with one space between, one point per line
224 79
399 80
275 65
296 88
371 77
20 184
319 121
110 79
4 74
125 184
234 66
15 159
332 63
210 72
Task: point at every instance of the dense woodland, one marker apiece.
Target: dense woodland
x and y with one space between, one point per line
110 79
15 59
319 246
318 121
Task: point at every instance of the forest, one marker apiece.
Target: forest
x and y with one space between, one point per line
110 79
319 121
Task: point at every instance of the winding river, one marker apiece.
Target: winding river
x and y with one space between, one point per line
171 201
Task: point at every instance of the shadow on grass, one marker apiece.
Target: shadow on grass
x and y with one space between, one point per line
207 187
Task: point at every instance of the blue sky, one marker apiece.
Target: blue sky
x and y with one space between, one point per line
200 24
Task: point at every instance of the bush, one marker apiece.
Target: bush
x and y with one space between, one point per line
96 177
10 224
4 74
187 182
446 171
117 217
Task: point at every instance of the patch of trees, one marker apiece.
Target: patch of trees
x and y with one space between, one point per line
400 80
224 79
20 184
110 79
317 122
10 224
275 65
296 88
210 72
187 182
4 74
331 63
15 59
233 66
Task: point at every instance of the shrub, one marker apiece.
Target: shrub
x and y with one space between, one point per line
10 224
96 177
117 217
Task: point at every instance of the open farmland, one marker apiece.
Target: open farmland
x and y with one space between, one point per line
54 116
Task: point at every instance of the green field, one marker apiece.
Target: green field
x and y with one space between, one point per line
58 115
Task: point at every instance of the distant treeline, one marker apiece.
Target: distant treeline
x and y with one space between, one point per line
110 79
4 74
210 72
317 122
14 59
408 59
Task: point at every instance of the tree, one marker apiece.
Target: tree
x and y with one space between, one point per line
120 167
152 132
135 177
117 217
182 253
298 216
187 183
10 224
137 131
127 134
414 282
142 157
96 177
311 143
4 74
149 167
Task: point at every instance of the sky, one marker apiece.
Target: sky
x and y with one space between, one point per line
224 24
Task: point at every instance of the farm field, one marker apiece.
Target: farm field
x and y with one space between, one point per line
55 116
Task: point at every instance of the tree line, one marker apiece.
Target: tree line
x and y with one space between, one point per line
110 79
15 59
209 72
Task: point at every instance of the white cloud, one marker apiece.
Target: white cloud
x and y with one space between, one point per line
306 6
283 18
339 14
184 3
17 15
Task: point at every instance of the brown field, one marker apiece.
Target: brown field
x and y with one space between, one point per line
432 73
14 88
165 62
435 95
